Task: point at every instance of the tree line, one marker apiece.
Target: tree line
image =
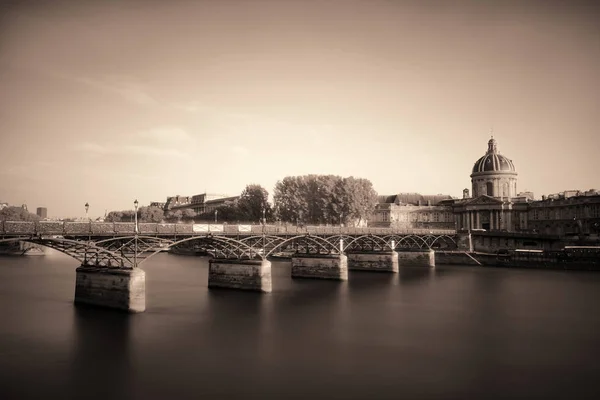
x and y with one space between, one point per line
306 199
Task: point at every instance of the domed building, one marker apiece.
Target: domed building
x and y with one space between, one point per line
494 204
494 174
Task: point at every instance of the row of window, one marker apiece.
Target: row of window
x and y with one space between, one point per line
418 216
586 211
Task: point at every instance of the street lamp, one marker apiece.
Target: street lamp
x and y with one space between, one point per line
216 212
135 204
263 218
87 206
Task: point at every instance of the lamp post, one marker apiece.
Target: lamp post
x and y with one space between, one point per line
264 220
216 212
87 206
135 205
135 250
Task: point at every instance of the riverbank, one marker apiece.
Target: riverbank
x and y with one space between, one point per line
536 260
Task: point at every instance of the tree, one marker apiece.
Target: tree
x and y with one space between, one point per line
114 216
253 203
360 198
325 199
13 213
151 214
289 199
174 216
188 215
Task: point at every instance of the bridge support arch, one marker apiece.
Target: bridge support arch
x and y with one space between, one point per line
119 288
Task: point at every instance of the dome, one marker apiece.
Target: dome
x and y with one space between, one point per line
493 162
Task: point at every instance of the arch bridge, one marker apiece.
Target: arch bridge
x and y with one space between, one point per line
128 245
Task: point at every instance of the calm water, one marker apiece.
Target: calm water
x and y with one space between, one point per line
452 332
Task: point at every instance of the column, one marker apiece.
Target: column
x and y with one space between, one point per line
477 222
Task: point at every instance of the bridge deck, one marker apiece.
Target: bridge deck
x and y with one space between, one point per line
111 229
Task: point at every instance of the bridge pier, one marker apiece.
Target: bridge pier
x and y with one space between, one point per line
321 266
119 288
240 274
420 258
386 261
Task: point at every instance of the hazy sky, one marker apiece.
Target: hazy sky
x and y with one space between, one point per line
108 101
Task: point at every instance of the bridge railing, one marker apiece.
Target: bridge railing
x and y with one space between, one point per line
152 229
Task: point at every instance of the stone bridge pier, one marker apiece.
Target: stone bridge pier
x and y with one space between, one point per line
240 274
119 288
320 266
386 261
417 258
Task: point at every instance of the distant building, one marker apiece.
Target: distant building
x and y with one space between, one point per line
158 204
42 212
177 202
212 205
3 205
571 212
413 210
200 201
495 204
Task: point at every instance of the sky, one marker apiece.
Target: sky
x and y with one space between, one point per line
106 102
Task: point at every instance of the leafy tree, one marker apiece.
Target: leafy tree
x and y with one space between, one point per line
322 199
13 213
289 199
225 213
360 198
151 214
188 215
253 203
114 216
174 216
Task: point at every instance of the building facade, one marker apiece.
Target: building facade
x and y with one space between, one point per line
413 210
42 212
495 205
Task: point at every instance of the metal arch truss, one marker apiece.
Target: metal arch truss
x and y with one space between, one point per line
131 251
421 242
86 252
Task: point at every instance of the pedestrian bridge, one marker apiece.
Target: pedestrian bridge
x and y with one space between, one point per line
121 245
110 253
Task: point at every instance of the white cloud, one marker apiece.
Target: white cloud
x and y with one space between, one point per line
125 87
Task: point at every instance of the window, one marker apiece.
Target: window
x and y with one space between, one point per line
490 188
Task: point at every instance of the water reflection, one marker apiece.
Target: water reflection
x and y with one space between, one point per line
448 332
101 367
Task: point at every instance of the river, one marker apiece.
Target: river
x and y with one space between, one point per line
447 333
